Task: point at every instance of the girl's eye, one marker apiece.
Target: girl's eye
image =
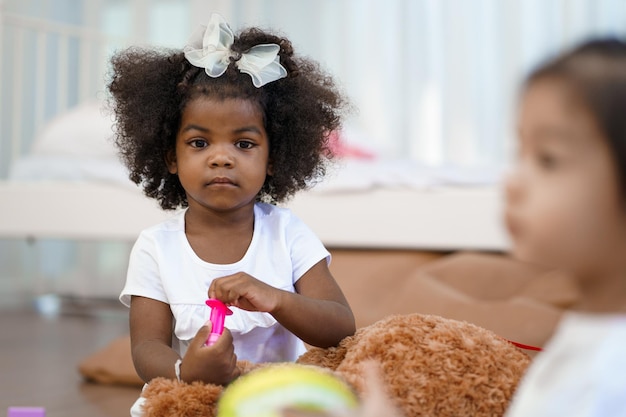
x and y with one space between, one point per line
547 161
244 144
198 143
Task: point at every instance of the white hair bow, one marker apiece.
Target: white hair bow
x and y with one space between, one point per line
209 48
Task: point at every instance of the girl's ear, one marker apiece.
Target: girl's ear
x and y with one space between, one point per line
170 161
270 168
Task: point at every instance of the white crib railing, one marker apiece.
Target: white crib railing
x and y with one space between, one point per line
47 67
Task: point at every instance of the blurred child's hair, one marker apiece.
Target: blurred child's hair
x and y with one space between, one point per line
150 89
595 72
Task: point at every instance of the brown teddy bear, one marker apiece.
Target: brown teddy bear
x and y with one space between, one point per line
429 366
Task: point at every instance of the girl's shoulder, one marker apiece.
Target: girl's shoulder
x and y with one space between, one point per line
271 220
268 210
599 336
271 214
576 322
174 223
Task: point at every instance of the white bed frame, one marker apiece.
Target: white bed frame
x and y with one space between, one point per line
443 218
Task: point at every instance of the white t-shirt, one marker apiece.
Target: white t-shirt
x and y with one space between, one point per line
164 267
581 372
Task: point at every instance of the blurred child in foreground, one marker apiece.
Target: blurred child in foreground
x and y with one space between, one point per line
566 208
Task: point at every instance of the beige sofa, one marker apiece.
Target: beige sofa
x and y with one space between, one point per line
518 301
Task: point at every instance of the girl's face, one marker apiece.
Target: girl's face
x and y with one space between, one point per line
222 153
563 205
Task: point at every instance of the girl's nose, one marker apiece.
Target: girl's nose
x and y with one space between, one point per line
220 157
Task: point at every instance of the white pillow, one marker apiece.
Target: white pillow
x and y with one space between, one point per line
83 131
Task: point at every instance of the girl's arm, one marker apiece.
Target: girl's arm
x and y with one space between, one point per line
151 340
317 313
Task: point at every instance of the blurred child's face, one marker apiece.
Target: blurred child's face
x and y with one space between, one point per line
563 206
222 153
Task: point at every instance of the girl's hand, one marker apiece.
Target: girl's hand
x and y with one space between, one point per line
215 364
245 292
317 312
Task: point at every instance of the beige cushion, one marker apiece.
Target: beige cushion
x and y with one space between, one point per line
111 365
519 301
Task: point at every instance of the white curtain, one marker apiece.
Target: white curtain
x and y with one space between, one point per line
433 81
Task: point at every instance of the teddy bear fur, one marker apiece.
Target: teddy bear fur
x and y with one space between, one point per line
430 366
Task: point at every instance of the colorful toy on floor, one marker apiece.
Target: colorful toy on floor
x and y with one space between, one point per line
26 412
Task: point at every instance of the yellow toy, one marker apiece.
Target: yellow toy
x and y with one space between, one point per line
266 391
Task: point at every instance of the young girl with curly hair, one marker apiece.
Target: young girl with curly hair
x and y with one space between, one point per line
225 129
566 208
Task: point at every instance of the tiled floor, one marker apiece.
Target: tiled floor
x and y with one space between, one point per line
39 357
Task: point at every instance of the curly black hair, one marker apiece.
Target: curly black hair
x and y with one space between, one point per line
151 87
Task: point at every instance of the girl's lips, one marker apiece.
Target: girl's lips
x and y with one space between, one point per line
221 181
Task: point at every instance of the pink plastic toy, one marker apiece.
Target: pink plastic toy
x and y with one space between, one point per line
219 311
26 412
